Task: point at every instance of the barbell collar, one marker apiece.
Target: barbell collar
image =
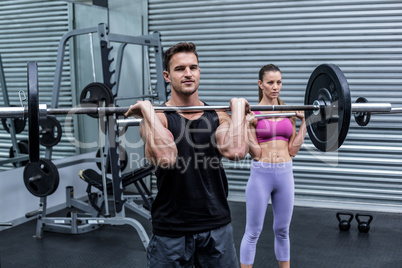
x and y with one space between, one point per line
42 111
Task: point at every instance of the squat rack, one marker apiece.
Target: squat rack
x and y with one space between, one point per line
69 224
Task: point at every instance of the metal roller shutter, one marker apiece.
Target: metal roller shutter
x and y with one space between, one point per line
31 31
235 38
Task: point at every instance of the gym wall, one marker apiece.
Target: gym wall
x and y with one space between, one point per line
236 38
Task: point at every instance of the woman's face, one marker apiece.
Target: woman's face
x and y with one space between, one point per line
271 84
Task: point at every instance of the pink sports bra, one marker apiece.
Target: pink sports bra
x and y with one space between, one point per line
268 130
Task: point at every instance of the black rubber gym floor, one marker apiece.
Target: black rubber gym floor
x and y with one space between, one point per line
316 241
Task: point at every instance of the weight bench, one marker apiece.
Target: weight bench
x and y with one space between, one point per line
94 179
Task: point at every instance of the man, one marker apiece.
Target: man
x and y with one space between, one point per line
190 215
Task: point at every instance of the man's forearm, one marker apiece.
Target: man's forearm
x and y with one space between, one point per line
160 147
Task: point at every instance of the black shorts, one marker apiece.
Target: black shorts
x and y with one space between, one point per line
213 248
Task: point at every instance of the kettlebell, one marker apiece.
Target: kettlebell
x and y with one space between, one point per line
344 224
364 226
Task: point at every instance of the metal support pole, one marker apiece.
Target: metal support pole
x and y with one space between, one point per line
91 45
102 149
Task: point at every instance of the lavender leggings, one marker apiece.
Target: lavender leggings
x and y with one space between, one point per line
267 180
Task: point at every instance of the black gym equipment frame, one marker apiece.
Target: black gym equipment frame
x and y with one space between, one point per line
105 39
75 224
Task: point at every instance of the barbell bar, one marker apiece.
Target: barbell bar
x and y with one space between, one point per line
22 112
378 107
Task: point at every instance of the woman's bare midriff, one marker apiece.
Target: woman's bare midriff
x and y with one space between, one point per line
275 151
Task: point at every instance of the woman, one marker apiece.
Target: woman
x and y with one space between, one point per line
273 143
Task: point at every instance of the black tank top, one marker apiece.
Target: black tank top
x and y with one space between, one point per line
192 194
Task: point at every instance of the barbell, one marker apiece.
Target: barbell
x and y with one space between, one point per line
327 107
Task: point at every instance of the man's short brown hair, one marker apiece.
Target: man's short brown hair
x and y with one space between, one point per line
180 47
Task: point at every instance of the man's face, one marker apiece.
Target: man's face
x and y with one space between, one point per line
184 75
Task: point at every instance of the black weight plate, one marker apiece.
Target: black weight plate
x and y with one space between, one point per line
123 159
362 118
33 112
94 94
50 131
19 124
23 147
328 129
41 178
